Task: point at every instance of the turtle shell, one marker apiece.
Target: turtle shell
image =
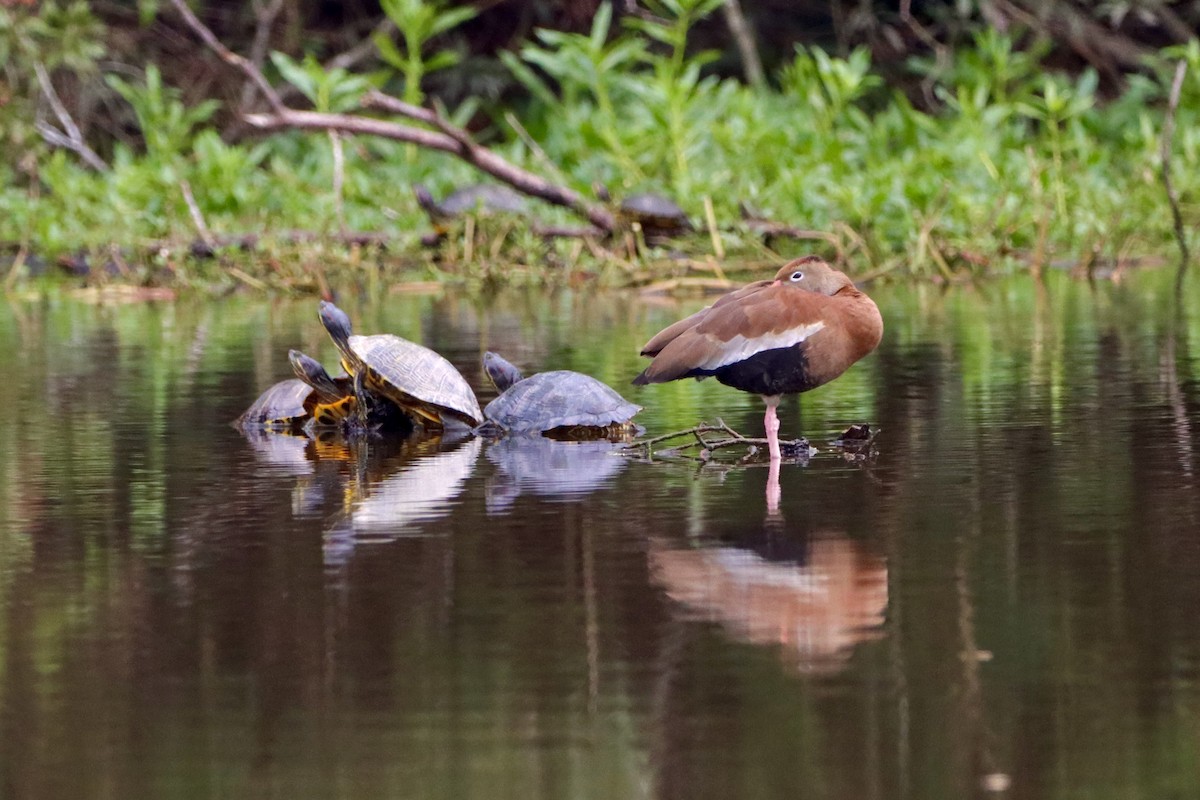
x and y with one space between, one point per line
654 210
480 198
483 197
282 406
559 399
416 378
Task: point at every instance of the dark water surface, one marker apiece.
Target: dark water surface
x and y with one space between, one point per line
1004 600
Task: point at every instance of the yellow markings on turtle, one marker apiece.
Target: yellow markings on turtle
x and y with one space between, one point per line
332 414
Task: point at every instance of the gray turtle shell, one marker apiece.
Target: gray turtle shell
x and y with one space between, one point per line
280 406
557 399
654 209
413 375
483 197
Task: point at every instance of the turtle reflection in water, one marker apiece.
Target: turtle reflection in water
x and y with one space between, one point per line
553 470
422 485
391 373
559 404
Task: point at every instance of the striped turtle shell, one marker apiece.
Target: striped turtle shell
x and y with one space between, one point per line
558 399
416 378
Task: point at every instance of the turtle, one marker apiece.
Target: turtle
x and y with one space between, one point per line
660 217
388 369
561 402
333 403
480 197
283 406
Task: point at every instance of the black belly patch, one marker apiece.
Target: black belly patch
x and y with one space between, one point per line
783 370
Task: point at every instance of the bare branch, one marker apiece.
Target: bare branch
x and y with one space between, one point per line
744 38
448 137
264 19
194 210
72 139
228 56
385 102
348 123
363 49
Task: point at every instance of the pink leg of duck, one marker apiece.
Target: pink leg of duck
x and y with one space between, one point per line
771 423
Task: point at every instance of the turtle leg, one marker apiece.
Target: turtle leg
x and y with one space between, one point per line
363 398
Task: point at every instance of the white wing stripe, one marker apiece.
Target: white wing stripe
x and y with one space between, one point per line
739 348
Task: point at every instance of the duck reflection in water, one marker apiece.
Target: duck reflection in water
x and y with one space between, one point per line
551 469
815 602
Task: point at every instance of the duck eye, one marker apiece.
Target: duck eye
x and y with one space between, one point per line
797 276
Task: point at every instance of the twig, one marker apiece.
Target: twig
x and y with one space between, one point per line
1107 52
194 210
72 139
744 38
385 102
1168 134
533 145
17 265
452 139
671 284
264 18
710 219
228 56
339 179
734 439
447 138
940 51
564 231
703 427
247 279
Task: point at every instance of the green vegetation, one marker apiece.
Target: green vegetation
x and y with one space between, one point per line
1003 164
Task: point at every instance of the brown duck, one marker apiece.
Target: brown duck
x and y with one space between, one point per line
787 335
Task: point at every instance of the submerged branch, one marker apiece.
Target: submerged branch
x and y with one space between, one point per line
705 447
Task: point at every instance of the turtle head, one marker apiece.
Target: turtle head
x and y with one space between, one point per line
310 371
425 199
337 324
501 372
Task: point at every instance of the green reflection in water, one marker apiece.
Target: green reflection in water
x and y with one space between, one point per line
172 623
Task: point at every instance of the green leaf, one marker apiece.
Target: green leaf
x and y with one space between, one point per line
442 60
388 50
295 74
529 79
451 18
600 27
